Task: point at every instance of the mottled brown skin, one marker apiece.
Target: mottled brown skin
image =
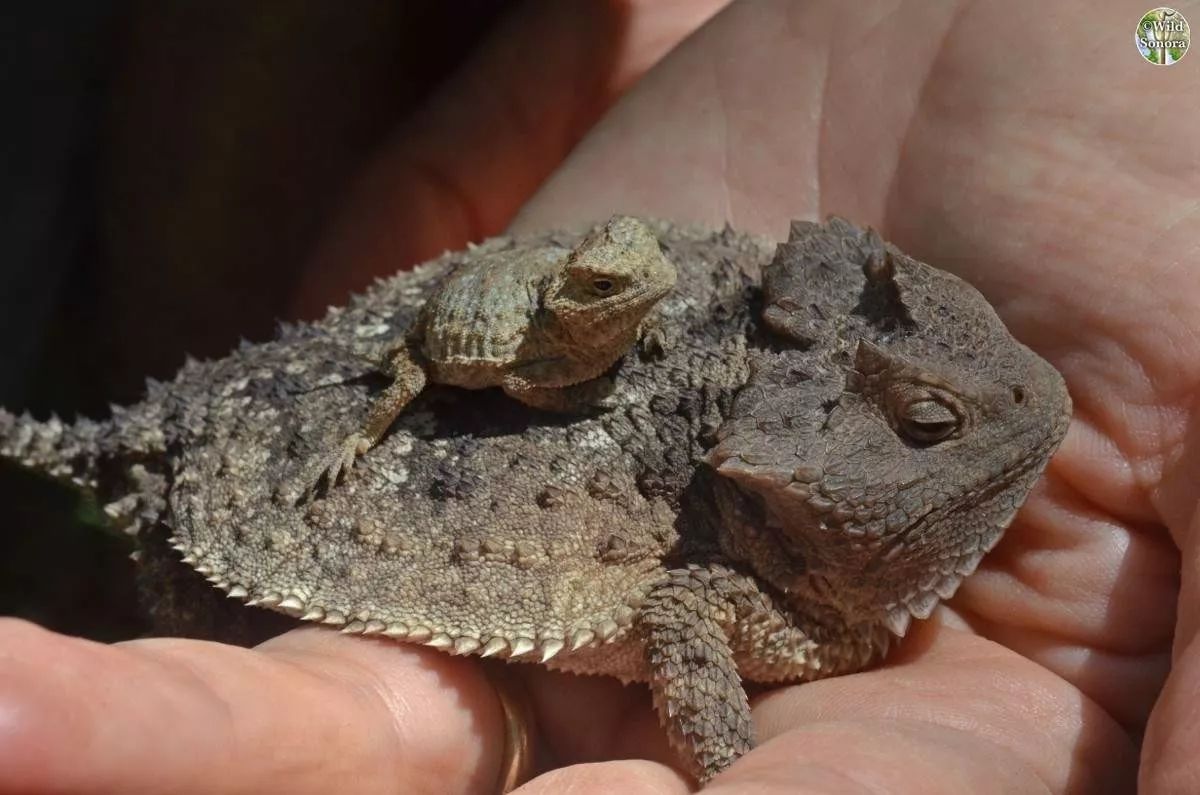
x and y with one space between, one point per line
541 322
807 466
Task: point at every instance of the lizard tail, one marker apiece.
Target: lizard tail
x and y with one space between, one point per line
67 452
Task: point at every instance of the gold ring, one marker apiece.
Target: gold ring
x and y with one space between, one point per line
517 763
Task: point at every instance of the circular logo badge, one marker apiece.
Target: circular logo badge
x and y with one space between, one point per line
1163 36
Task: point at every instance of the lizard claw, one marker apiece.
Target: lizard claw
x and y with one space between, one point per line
337 464
654 343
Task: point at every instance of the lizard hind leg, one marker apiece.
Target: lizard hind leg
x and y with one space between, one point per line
693 676
408 379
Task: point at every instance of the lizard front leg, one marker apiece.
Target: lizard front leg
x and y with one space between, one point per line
693 677
707 627
408 376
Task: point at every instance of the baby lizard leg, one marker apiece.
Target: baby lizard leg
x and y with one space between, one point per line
408 379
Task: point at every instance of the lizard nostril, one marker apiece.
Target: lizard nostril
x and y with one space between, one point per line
1018 395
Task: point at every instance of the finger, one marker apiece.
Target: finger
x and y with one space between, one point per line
462 167
310 711
1169 760
630 777
951 712
723 129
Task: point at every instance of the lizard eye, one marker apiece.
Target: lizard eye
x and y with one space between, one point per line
928 421
602 286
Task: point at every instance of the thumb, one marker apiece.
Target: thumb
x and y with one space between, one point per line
462 167
309 711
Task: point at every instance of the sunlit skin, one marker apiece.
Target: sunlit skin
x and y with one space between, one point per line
1025 146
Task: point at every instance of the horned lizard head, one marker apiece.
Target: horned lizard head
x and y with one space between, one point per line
887 441
610 281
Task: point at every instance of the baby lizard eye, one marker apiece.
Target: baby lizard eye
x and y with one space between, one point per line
602 286
928 421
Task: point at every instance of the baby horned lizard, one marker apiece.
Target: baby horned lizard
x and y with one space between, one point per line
543 323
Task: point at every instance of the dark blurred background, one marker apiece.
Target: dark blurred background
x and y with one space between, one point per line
167 169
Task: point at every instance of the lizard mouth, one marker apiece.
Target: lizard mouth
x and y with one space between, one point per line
770 523
633 299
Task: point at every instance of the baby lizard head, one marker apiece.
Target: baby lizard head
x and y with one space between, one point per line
610 281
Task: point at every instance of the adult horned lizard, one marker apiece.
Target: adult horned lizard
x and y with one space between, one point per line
806 467
540 321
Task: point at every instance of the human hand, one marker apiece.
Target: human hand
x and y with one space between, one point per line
999 141
1014 144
